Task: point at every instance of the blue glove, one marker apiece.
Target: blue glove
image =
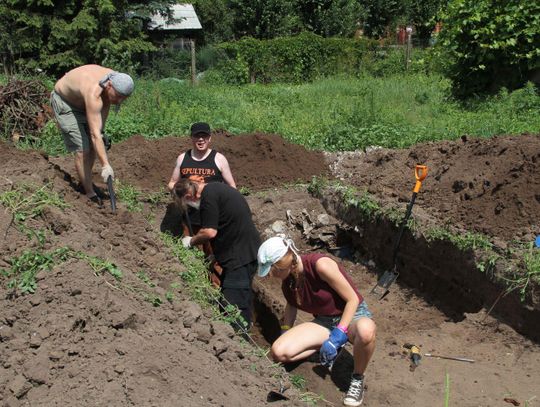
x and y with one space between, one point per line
330 347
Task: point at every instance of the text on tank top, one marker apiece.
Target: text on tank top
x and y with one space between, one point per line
205 170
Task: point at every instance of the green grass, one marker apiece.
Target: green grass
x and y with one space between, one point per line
129 195
447 390
527 272
334 114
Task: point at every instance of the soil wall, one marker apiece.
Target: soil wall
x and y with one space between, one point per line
439 271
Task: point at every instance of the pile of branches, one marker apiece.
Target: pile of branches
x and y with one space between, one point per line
24 109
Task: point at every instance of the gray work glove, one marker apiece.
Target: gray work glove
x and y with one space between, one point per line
107 172
186 242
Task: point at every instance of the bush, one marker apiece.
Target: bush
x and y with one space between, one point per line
489 44
304 57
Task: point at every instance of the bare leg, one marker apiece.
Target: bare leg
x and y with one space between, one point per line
299 342
84 161
363 339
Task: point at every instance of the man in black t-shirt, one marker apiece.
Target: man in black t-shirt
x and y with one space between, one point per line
202 164
227 223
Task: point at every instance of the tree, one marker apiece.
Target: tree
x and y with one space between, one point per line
59 35
422 14
263 19
330 17
381 15
216 20
488 44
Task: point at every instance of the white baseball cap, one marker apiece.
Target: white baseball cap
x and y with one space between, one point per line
271 251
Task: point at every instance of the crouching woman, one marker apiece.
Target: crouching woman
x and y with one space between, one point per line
317 284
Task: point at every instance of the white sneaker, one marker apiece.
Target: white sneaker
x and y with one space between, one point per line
355 395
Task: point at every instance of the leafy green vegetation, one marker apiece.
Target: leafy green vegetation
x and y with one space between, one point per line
488 44
527 272
129 195
463 241
24 268
332 114
26 201
298 381
199 287
41 35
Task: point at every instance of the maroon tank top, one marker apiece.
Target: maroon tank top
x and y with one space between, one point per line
316 295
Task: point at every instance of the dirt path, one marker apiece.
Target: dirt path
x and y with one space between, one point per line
84 338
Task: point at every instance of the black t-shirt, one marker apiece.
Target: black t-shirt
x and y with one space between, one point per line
225 209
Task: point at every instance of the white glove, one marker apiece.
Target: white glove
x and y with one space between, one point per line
107 171
186 242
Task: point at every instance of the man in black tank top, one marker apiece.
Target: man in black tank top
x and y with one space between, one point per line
204 165
201 163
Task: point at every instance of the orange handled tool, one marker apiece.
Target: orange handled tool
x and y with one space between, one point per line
420 172
385 281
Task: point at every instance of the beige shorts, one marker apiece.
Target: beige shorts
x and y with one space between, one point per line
73 124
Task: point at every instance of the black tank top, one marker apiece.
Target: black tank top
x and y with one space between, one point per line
205 170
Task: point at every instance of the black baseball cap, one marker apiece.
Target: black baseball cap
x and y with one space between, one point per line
200 127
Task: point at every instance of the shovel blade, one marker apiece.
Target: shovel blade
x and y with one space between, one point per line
112 195
385 281
275 396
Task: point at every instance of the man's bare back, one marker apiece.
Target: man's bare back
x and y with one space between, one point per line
81 83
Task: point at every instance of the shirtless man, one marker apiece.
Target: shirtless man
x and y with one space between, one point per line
81 100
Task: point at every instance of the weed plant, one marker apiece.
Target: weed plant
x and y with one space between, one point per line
129 195
24 268
338 113
527 273
26 201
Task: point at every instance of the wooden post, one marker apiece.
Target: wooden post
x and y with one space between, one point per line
193 72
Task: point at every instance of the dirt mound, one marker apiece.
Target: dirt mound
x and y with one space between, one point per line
486 185
111 323
88 337
258 161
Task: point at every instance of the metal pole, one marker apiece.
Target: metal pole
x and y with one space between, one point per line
409 46
193 72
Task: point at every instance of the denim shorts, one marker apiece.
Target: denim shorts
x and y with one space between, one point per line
331 321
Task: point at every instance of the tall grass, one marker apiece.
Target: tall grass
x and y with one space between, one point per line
339 113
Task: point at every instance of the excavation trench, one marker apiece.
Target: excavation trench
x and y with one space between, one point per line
440 293
439 272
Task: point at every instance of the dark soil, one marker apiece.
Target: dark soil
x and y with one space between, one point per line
489 186
85 339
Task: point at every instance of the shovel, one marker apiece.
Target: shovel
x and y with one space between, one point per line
112 195
381 289
274 395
